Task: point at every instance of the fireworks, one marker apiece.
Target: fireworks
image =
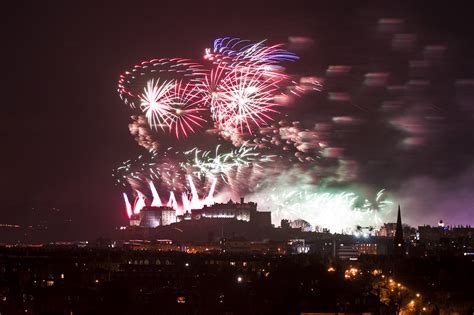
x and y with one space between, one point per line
240 91
132 82
245 82
246 98
238 51
184 109
189 201
211 87
335 211
206 163
235 99
155 102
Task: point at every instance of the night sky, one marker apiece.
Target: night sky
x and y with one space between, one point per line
65 129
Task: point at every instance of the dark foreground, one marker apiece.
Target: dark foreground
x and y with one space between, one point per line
117 281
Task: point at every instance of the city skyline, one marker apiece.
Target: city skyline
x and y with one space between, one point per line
392 100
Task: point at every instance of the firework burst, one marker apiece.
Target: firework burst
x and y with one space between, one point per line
236 51
185 111
173 95
331 210
155 102
131 82
247 99
216 164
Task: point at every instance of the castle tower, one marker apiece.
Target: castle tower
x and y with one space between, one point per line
398 242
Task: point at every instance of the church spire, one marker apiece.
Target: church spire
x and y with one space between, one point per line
398 242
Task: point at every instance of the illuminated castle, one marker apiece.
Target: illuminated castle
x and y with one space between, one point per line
154 216
231 210
147 215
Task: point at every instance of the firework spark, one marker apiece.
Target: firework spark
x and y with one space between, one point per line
131 82
336 211
238 96
155 102
236 50
208 163
247 99
185 109
189 201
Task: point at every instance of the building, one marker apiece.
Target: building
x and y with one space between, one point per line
387 230
398 241
428 234
347 252
155 245
135 219
243 211
261 218
152 217
298 246
445 240
230 210
367 248
255 247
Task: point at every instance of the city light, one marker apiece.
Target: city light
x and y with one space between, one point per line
351 273
264 175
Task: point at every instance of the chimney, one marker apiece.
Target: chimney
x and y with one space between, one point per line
241 200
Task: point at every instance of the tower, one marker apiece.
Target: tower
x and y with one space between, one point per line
398 242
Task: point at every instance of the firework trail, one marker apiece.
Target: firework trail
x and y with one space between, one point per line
184 109
236 99
237 52
132 82
180 96
246 98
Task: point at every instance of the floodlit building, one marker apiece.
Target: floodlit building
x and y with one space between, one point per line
387 230
298 246
230 210
243 211
135 219
152 217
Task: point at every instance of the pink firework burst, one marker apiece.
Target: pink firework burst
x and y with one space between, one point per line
211 86
247 98
184 109
131 82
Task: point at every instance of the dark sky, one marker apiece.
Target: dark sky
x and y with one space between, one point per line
64 128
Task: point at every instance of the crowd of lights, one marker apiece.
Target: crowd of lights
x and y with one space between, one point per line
410 301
